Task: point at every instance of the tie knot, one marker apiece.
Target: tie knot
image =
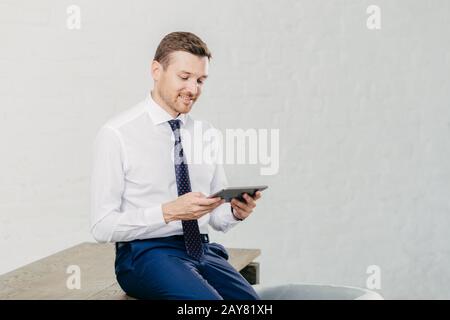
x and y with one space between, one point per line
175 124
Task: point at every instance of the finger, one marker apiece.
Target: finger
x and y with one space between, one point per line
210 207
240 205
218 203
240 213
256 195
207 201
214 206
250 202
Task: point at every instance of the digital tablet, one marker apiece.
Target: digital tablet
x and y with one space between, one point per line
237 192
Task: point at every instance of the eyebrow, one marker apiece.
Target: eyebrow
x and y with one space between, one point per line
204 76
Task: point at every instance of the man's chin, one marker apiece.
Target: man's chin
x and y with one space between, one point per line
184 108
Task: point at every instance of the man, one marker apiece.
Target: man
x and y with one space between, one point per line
150 201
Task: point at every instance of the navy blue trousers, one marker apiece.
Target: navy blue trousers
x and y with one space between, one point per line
160 268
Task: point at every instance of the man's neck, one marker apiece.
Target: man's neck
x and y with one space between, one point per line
161 103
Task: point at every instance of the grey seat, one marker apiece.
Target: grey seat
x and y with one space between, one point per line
302 291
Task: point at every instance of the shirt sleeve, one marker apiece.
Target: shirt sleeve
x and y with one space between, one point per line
222 218
108 223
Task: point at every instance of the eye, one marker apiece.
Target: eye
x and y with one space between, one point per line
184 78
200 81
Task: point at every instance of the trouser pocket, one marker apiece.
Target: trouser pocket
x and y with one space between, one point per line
218 249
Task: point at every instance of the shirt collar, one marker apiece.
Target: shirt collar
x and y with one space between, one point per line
158 114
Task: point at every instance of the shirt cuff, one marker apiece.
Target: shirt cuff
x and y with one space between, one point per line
229 218
154 217
221 218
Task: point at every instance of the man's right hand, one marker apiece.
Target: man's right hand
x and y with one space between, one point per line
190 206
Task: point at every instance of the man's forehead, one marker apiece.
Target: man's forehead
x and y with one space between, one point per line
185 62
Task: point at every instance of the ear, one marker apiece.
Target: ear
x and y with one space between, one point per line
157 68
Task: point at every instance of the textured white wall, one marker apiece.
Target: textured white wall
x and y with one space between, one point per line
364 121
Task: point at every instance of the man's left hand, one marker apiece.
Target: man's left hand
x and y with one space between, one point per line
243 209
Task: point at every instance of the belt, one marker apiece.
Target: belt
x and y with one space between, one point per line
204 237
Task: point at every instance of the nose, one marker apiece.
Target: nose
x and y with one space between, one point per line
192 87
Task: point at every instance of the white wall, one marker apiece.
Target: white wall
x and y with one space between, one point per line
364 123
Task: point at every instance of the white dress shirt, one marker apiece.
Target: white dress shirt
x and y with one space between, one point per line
133 174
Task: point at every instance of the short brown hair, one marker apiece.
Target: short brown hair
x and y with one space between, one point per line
180 41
